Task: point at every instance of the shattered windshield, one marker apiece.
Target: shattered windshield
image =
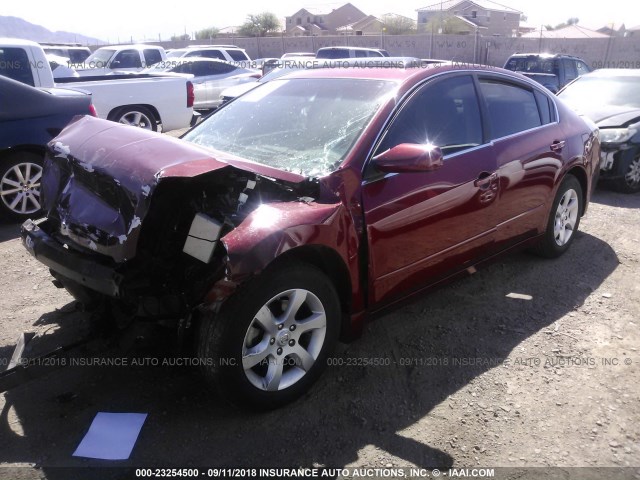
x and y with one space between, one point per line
305 126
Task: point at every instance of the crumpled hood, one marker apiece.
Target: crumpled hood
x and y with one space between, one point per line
100 176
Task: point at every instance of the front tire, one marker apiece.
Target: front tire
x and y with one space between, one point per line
271 340
20 176
630 181
564 219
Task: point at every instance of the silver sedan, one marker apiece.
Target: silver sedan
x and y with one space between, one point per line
210 77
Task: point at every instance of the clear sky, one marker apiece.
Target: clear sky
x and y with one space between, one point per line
145 19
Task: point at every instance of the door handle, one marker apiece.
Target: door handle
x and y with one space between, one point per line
557 146
485 179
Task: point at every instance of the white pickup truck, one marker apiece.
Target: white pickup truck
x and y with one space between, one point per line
147 101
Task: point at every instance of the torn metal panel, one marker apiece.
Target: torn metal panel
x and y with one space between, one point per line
100 178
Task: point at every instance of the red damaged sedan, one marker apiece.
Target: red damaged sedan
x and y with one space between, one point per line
284 220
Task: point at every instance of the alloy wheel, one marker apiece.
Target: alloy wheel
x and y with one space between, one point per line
20 188
566 217
284 340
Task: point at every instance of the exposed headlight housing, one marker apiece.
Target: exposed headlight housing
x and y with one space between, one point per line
616 135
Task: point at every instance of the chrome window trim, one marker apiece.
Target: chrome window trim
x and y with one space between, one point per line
403 99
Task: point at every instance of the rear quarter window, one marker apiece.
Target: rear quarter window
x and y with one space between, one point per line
14 63
545 107
78 56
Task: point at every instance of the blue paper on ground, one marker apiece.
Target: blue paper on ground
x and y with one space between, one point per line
111 436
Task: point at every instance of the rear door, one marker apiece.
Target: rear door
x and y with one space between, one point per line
424 226
528 146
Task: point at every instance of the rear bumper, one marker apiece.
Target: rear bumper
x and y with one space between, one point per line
73 265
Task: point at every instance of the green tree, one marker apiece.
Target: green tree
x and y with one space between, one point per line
398 25
177 38
207 33
571 21
260 25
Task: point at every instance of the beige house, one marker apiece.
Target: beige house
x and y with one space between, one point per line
485 16
311 22
369 25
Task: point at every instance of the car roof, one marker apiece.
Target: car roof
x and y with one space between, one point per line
543 55
202 59
210 47
346 47
62 45
407 76
615 72
134 45
17 41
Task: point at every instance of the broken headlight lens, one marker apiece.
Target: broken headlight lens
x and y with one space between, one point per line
616 135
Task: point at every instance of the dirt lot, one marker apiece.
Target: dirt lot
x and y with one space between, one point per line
474 377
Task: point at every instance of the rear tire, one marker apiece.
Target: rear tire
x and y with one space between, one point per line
20 176
271 340
564 219
136 116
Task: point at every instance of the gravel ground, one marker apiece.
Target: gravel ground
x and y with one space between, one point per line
467 375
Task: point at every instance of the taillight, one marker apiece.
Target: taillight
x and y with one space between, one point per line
92 110
190 95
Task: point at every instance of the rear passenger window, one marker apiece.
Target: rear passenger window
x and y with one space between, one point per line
127 59
511 109
581 67
78 56
208 54
445 114
152 56
237 55
360 53
544 107
14 63
570 71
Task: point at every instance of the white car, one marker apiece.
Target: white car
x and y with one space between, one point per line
146 101
230 53
60 66
120 58
210 77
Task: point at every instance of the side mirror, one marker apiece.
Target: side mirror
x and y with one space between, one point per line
115 63
409 157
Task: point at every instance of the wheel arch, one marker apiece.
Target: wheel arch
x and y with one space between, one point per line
581 175
35 149
329 262
116 111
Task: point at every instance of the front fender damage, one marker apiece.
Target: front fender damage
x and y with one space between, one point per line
275 229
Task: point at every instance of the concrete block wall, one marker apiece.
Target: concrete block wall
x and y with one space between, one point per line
613 52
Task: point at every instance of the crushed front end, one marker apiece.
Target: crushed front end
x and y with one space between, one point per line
138 217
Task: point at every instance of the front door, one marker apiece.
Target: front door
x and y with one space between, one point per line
422 227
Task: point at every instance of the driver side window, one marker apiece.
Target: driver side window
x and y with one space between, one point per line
445 114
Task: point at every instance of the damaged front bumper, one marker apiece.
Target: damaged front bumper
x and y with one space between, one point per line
614 159
75 266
